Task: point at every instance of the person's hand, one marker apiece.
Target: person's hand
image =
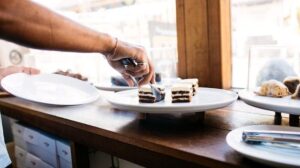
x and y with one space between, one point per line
17 69
144 69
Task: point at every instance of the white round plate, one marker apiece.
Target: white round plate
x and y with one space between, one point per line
264 154
285 104
205 99
50 89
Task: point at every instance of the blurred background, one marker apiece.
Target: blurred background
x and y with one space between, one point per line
150 23
265 41
265 38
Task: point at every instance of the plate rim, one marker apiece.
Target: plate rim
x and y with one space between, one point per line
89 100
247 97
233 145
114 88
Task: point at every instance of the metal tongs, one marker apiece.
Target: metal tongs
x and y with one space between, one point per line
155 91
283 139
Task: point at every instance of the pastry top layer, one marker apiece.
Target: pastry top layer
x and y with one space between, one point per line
182 87
147 88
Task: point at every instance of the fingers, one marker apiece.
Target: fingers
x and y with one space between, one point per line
34 71
144 69
146 79
26 70
149 77
128 79
135 71
139 67
117 65
10 70
30 71
138 72
126 50
153 78
19 69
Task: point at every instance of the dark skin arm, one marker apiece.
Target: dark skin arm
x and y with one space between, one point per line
29 24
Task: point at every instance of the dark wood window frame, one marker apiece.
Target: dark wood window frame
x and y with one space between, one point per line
204 41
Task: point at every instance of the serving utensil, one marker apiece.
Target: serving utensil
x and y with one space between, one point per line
284 139
155 91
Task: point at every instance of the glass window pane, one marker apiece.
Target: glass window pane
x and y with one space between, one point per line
265 40
150 23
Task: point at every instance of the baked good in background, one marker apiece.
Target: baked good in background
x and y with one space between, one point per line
70 74
291 83
181 92
146 95
193 82
296 94
273 88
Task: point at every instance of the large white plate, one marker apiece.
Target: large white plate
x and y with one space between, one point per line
285 104
205 99
264 154
50 89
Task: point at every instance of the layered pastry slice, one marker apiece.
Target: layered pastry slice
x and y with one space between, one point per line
194 82
296 95
291 83
182 92
273 88
146 95
70 74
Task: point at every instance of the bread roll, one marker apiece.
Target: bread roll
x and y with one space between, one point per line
273 88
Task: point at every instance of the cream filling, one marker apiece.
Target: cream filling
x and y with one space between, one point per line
185 94
181 99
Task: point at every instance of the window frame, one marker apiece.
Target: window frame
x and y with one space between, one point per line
204 41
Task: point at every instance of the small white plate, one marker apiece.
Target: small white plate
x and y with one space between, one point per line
50 89
285 104
264 154
108 86
205 99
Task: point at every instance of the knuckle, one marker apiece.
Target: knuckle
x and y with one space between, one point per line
142 48
141 51
144 72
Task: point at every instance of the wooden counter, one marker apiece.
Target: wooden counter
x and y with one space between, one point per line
157 141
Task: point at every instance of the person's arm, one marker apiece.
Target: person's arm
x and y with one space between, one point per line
29 24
